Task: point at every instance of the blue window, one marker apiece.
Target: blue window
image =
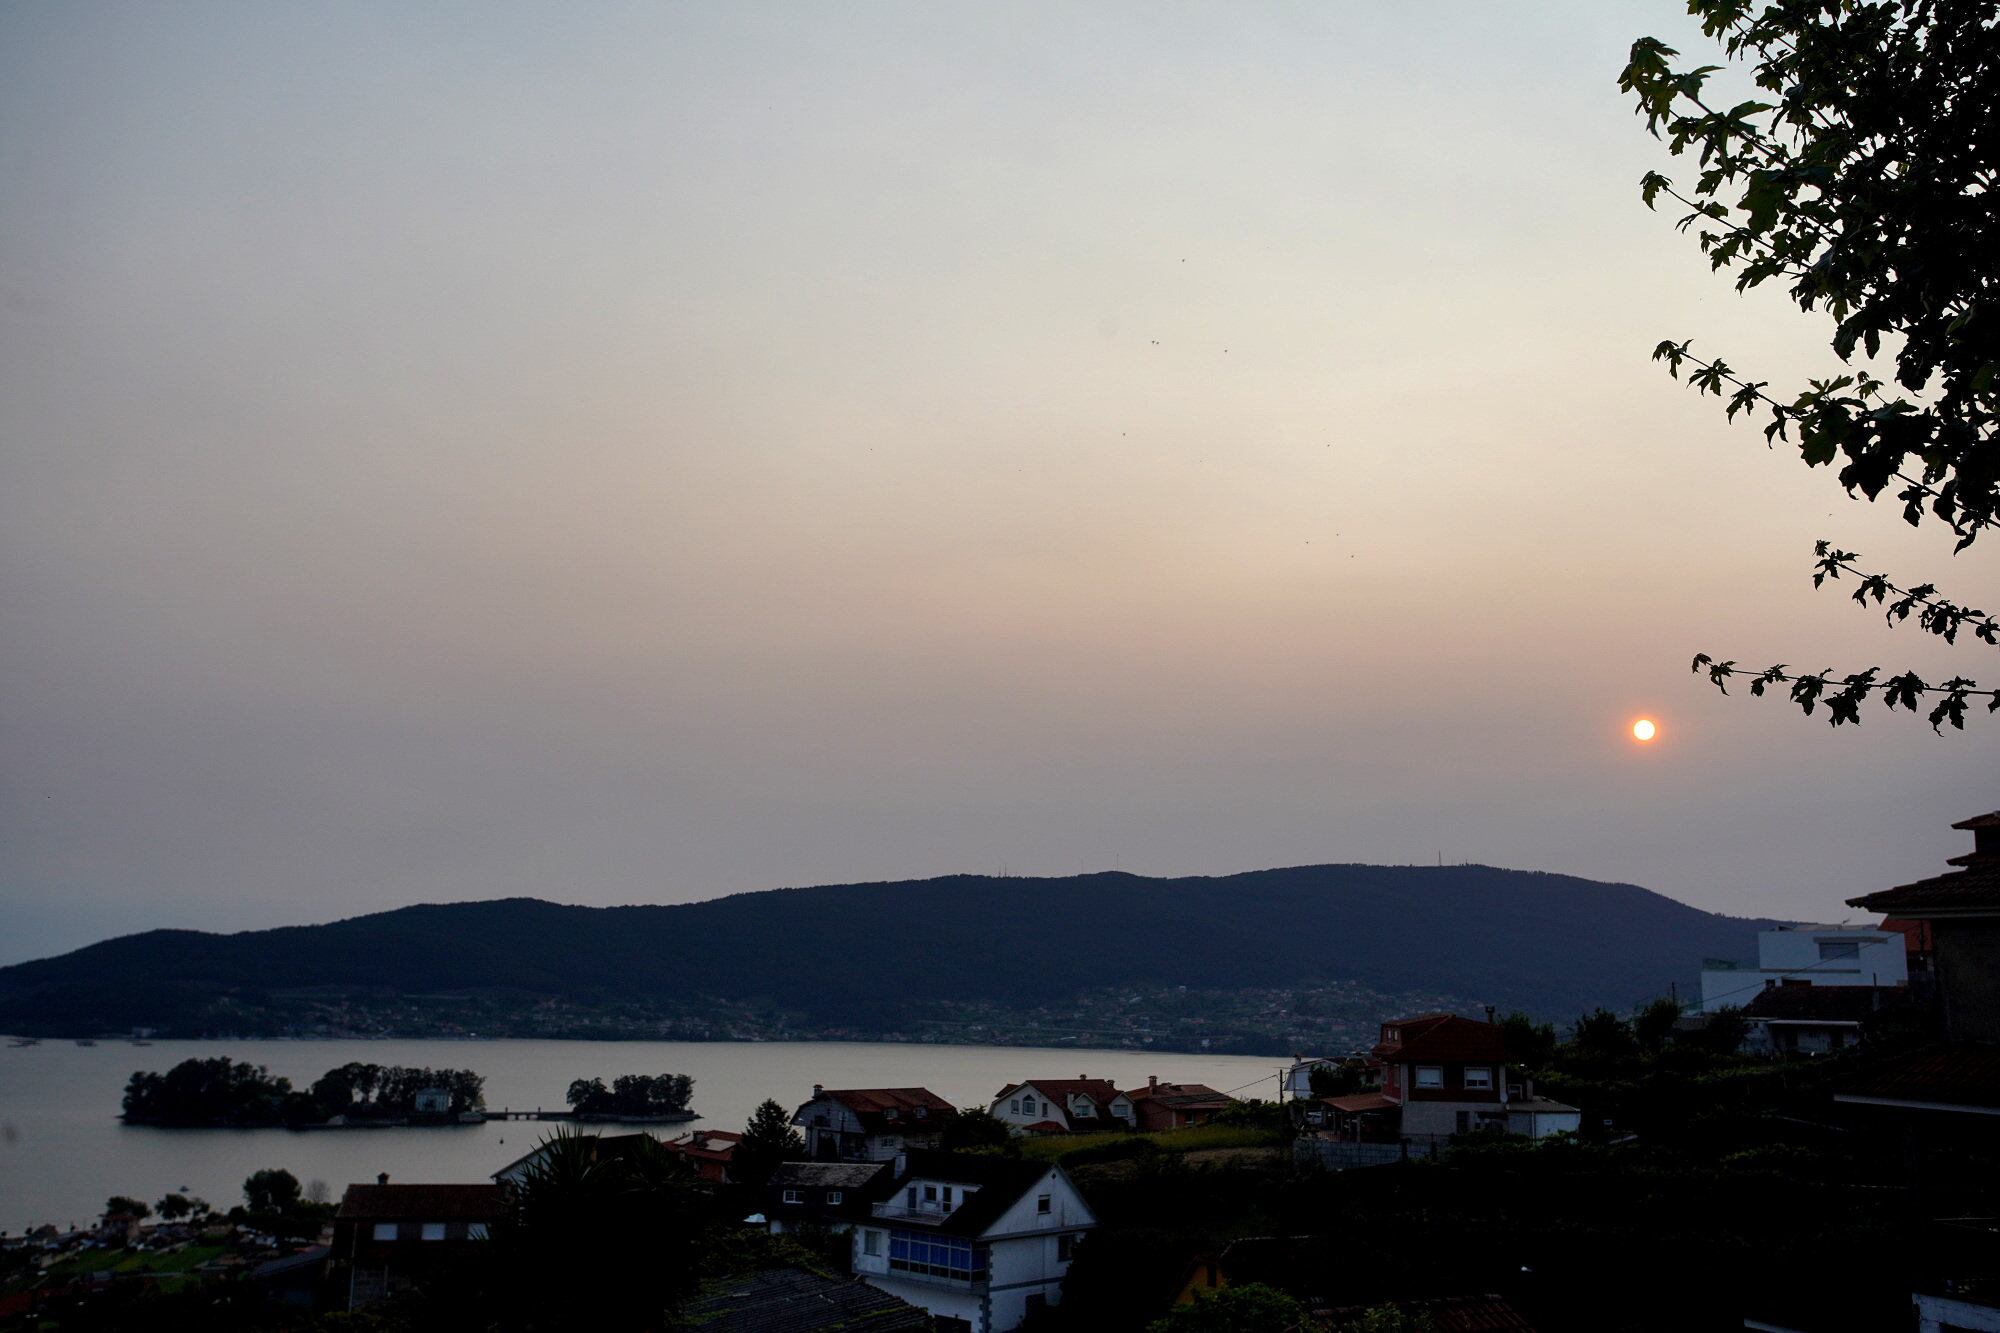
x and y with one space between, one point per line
937 1256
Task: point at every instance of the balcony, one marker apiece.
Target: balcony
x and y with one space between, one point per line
929 1214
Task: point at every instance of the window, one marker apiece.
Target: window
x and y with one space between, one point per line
433 1231
475 1231
946 1195
1478 1076
1014 1106
930 1194
1832 949
1430 1076
1065 1247
1464 1122
1042 1205
938 1256
910 1197
833 1197
795 1196
871 1242
385 1231
1027 1105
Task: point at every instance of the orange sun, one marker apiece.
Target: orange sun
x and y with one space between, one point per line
1644 730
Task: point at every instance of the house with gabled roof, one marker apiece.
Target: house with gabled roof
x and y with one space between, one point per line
982 1242
1160 1105
1060 1106
834 1195
870 1124
385 1236
1953 1087
1441 1074
1962 909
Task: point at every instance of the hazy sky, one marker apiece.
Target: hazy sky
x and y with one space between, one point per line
633 453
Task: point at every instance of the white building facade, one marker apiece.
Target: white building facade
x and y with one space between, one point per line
1808 955
980 1242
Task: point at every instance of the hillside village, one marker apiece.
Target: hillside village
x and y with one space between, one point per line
1862 1058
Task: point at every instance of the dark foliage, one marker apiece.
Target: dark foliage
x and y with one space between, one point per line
221 1092
1547 944
767 1140
272 1190
391 1090
217 1091
975 1127
1862 176
631 1094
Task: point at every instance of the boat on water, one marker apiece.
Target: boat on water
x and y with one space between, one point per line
85 1041
25 1041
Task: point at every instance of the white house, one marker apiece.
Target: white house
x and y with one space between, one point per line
1062 1105
1808 955
870 1124
1297 1080
980 1242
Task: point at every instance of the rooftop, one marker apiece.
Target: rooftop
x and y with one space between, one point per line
1444 1038
423 1203
785 1300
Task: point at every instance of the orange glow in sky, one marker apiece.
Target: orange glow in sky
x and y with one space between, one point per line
1644 730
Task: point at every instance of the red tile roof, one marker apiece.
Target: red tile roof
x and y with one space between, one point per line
720 1144
1362 1102
1182 1096
1974 891
1825 1004
873 1107
424 1203
1442 1039
1959 1074
1099 1091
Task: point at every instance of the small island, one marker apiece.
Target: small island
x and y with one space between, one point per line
633 1099
220 1093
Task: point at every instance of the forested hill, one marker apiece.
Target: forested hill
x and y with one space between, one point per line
1551 944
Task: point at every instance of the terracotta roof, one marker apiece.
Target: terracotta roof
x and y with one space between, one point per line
1957 1075
424 1203
1045 1127
720 1144
1182 1095
1974 891
785 1300
1443 1038
877 1108
1826 1004
1363 1101
1099 1091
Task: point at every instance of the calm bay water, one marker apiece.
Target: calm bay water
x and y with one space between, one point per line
63 1150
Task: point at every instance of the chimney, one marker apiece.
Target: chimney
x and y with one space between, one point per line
381 1177
1489 1013
817 1090
1152 1083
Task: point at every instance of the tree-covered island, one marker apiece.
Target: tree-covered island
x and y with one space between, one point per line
222 1093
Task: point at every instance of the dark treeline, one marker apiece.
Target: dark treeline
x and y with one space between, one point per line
221 1091
632 1094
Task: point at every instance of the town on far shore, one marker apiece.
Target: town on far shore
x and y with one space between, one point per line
1860 1056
